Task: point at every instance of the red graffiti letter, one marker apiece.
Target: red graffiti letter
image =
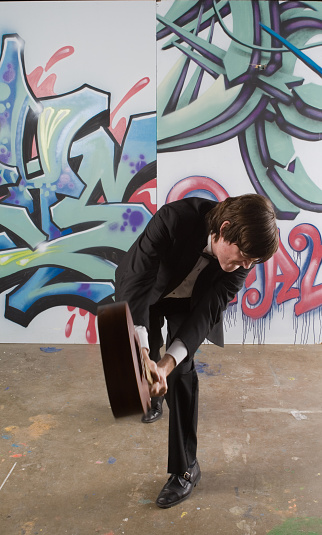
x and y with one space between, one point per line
253 304
300 238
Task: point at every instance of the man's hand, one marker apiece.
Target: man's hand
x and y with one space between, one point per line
159 373
150 365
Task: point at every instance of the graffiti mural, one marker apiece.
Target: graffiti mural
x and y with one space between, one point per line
246 76
77 186
238 108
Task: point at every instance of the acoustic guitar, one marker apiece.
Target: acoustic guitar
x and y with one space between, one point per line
126 376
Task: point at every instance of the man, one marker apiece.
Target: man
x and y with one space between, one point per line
187 265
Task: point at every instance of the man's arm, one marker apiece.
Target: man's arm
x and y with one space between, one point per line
207 310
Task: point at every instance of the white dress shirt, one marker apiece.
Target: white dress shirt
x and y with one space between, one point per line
177 349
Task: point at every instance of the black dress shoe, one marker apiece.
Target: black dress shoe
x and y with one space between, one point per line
155 412
179 487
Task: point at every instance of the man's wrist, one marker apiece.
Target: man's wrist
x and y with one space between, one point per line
168 363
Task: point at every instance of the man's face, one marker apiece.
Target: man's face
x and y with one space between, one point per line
229 256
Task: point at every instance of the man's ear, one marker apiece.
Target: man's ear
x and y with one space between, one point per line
224 224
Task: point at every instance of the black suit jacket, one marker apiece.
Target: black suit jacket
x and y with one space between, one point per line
162 257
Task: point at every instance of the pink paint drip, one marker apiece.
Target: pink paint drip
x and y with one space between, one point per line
91 334
62 53
47 87
69 326
119 130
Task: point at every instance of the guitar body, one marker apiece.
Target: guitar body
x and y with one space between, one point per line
127 387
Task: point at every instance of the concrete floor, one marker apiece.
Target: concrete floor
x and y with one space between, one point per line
67 466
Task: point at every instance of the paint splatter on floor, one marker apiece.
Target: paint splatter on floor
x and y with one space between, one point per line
41 424
50 349
28 527
142 500
203 367
298 526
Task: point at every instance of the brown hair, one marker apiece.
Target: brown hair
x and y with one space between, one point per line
252 225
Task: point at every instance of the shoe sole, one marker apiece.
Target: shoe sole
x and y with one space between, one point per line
182 499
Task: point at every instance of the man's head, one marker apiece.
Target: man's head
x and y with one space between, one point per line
243 231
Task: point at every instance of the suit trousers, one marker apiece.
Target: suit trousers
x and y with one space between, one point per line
183 385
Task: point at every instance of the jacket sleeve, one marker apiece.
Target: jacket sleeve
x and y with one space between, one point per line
136 276
207 310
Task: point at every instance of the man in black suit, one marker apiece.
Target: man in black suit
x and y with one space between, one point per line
186 266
